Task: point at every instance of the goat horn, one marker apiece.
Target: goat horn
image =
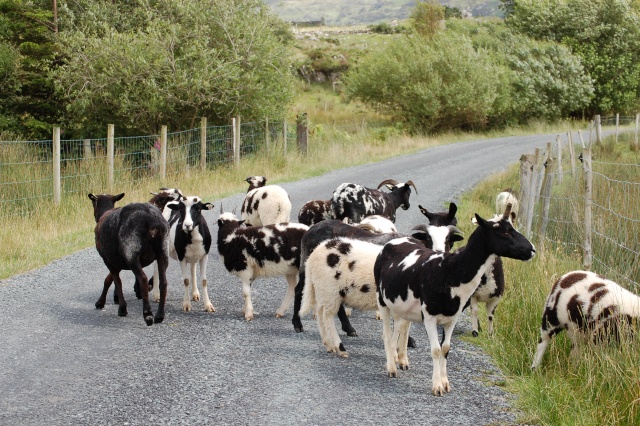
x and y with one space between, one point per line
507 212
221 208
412 184
384 182
453 228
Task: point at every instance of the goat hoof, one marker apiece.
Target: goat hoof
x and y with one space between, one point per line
404 366
351 332
298 329
99 305
411 342
158 319
122 311
148 319
474 333
393 374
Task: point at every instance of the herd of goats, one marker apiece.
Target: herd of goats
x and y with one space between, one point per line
347 252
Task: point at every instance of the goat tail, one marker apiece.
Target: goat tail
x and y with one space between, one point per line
308 296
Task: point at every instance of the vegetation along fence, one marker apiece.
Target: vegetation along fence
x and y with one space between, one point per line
44 170
582 198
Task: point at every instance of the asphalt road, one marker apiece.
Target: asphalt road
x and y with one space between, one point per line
64 362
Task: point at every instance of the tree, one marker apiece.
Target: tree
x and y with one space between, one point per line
431 85
29 53
427 16
605 34
170 62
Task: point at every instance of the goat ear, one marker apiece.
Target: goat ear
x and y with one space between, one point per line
453 209
390 187
480 221
419 234
207 206
424 211
456 237
173 206
92 197
241 222
118 197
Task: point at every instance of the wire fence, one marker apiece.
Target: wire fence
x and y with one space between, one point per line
28 168
586 203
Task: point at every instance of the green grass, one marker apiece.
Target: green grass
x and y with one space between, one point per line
601 386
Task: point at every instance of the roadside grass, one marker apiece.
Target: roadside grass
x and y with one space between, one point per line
600 386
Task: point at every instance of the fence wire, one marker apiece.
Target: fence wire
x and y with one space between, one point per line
558 221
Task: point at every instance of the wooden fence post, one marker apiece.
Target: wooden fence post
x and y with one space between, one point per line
617 125
526 170
267 136
57 191
558 158
587 257
598 130
203 144
635 139
284 135
533 185
302 132
546 199
581 139
86 149
111 149
163 153
572 153
236 142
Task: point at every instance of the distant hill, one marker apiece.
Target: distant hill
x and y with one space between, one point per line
364 12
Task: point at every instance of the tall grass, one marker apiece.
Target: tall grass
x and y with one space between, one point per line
601 386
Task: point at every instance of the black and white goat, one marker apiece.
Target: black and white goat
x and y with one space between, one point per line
420 285
265 205
589 307
260 251
340 272
189 244
353 202
315 211
329 229
256 182
130 238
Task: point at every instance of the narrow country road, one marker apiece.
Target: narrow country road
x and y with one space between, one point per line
62 362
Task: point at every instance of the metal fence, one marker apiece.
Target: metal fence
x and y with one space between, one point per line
571 201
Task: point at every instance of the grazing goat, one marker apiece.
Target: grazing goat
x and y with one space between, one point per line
315 211
260 251
130 238
353 202
589 307
189 243
334 228
265 205
417 284
507 197
340 272
256 182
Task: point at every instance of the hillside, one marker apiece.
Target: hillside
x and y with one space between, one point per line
340 12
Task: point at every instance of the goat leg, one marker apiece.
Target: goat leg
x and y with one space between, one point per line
346 324
103 297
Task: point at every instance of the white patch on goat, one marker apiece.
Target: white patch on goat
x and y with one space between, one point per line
409 260
439 236
463 291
